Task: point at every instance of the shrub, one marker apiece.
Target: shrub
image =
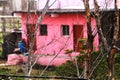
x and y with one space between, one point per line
67 70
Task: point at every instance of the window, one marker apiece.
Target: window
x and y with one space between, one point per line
43 30
65 29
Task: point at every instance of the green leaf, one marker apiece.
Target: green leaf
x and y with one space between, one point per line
68 51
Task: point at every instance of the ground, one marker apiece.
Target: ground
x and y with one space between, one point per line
2 61
19 69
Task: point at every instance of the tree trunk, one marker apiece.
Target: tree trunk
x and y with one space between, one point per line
110 51
89 45
111 64
31 36
98 24
115 39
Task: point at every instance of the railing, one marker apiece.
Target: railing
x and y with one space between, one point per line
9 77
9 23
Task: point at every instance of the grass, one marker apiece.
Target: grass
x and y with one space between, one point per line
68 70
20 70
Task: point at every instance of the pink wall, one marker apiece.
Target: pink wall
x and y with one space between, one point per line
54 33
55 43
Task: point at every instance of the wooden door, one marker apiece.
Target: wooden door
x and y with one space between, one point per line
78 33
30 32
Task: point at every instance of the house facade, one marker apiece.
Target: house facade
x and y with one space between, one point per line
57 33
60 29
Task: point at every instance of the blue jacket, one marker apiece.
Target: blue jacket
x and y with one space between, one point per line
22 46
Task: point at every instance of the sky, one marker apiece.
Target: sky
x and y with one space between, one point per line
75 4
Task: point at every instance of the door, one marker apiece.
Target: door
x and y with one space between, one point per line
78 33
30 33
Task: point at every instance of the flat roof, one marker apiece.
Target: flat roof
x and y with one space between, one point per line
54 11
63 11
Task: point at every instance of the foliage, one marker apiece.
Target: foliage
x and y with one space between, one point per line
67 70
82 40
68 51
4 70
117 71
101 71
117 66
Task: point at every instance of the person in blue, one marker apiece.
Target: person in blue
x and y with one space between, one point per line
22 46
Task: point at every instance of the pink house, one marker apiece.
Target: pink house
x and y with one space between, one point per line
59 31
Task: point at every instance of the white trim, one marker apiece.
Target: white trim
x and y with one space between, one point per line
10 16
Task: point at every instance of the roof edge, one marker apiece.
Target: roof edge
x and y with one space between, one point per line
62 11
53 11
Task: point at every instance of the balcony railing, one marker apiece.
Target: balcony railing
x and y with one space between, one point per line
22 6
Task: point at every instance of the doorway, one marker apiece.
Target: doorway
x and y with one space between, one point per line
78 34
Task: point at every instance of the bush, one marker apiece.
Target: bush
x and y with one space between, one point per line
67 70
117 66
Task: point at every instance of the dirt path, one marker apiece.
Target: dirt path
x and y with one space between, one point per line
2 62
